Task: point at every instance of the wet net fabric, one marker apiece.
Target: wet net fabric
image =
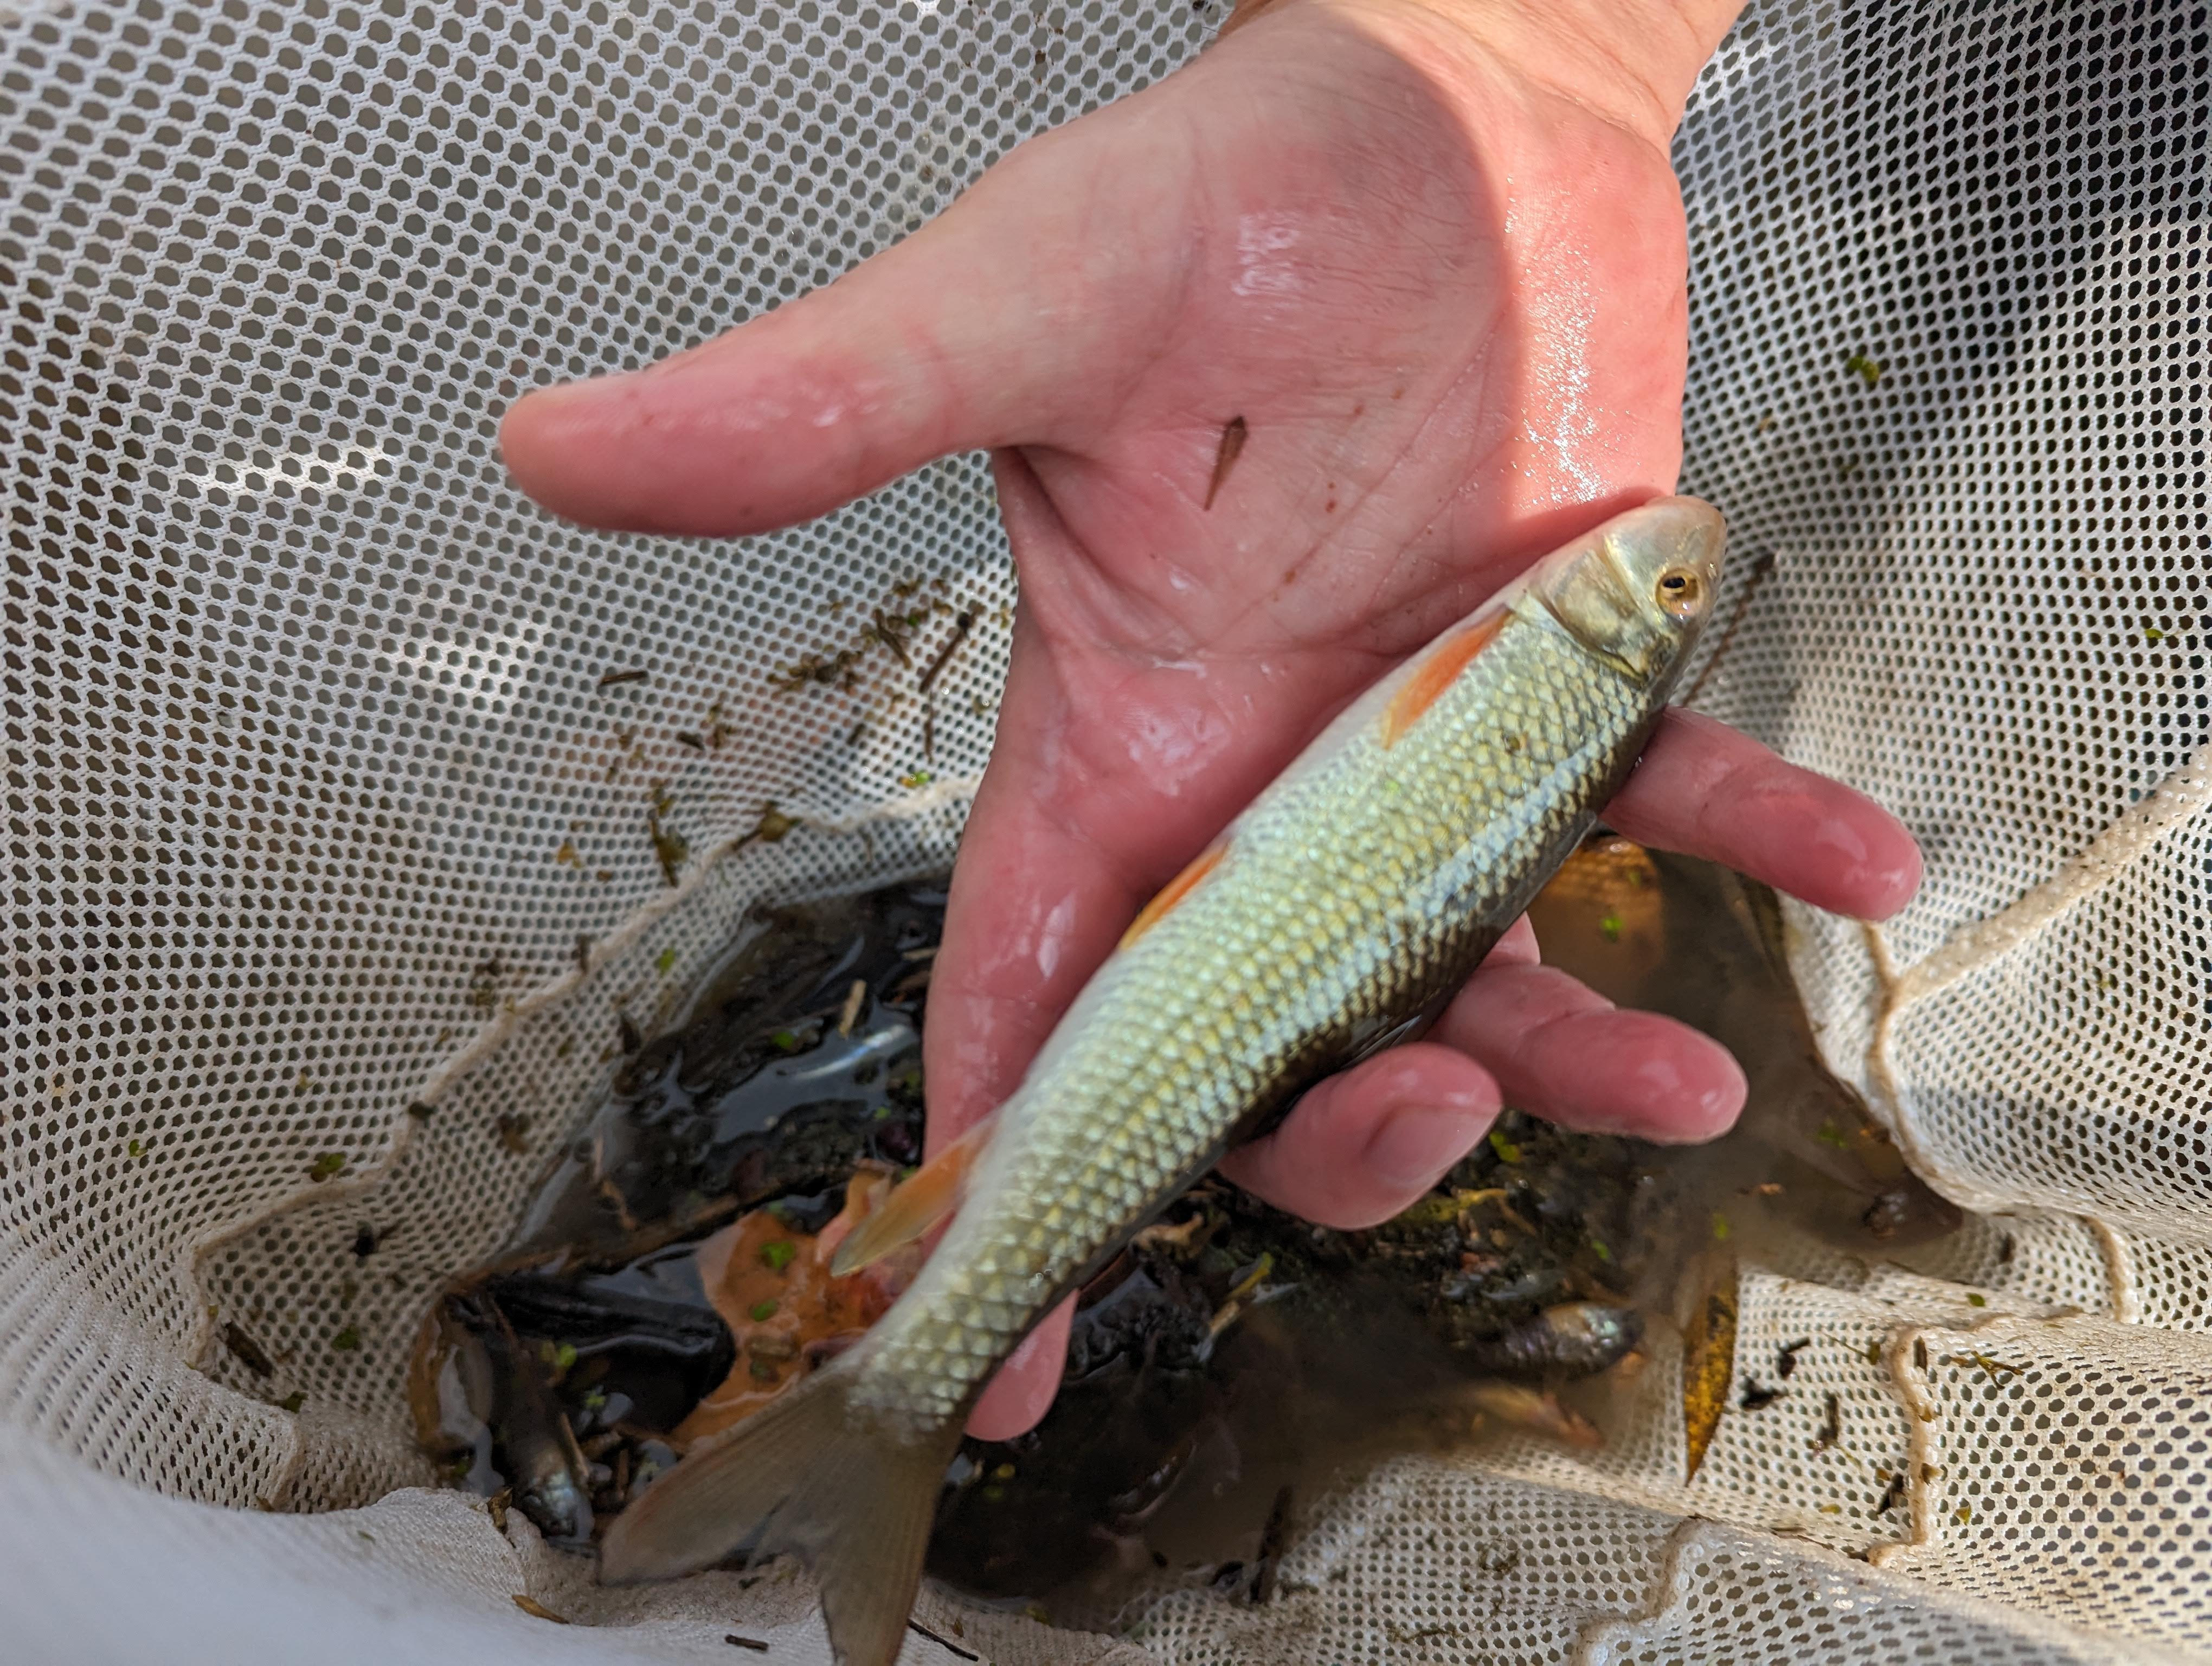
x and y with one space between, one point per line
352 805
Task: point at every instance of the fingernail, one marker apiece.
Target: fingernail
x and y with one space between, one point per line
1417 1144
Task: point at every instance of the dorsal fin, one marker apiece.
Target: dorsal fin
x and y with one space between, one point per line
925 1197
1436 673
1174 891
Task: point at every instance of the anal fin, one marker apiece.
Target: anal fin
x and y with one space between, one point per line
927 1197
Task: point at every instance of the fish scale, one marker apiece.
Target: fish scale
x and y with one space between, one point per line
1353 894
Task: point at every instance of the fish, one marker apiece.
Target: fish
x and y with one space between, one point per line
1516 1406
1574 1338
1335 915
535 1446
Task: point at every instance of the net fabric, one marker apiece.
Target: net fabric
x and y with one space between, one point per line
2077 1118
2167 1284
2055 1260
330 788
1731 1598
1816 1431
314 786
2064 1467
1419 1561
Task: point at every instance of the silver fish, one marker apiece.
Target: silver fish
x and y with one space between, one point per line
1347 903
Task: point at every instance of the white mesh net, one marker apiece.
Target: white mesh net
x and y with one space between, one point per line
333 855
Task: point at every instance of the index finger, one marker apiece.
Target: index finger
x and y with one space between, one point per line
1705 789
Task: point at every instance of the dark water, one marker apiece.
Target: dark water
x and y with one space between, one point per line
1227 1362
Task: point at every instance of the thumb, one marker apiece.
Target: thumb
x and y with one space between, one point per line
962 337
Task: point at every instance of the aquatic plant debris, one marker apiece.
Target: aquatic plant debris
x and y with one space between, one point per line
961 627
1233 432
720 730
949 1647
1832 1422
890 626
772 827
1708 1365
787 1309
670 847
1866 369
824 669
247 1352
617 679
1538 1411
855 1000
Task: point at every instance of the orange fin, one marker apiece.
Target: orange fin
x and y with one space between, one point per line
925 1197
1437 672
1176 889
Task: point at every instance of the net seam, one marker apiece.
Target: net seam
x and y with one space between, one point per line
2182 796
2124 1285
1667 1593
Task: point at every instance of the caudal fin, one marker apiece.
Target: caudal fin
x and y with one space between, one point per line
811 1474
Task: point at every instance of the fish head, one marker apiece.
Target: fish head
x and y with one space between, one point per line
1638 591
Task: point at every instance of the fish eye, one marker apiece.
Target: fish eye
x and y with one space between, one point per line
1681 591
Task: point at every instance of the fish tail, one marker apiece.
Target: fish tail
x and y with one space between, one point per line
849 1492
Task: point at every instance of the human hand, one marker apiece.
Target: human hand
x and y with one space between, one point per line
1432 252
